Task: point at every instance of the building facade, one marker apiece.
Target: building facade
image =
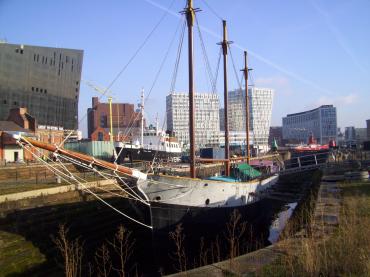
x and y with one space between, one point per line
260 111
276 133
207 121
321 122
19 120
125 120
45 80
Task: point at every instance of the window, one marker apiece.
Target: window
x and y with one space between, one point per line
21 51
33 89
46 91
4 102
15 103
41 90
16 50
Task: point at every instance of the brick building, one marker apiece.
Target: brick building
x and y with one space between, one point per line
125 120
21 121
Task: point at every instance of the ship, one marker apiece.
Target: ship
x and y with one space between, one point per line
209 202
156 145
191 201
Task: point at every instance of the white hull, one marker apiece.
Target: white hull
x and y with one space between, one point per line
189 192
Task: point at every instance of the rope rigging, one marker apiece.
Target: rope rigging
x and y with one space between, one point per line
72 179
154 81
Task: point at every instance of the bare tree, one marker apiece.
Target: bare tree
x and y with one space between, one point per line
235 230
178 237
103 262
72 252
123 246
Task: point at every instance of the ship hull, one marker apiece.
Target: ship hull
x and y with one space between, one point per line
177 200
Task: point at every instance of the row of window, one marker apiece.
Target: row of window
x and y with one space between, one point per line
45 91
20 51
5 102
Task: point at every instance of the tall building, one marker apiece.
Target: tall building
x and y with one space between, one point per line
276 133
44 80
350 135
260 111
321 122
125 120
368 129
361 135
207 121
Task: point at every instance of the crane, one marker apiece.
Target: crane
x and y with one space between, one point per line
108 93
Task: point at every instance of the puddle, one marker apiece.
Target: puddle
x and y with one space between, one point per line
279 223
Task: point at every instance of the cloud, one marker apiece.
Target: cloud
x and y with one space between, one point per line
280 84
339 101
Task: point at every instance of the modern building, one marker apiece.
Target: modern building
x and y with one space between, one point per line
361 135
276 133
207 121
125 121
321 122
350 135
44 80
260 111
222 119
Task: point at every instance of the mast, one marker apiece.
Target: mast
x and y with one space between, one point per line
225 44
142 118
246 107
110 119
190 14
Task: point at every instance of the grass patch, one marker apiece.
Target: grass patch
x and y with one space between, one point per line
345 253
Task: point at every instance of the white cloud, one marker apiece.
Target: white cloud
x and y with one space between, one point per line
339 101
280 84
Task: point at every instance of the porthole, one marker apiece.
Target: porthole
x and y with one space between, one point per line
207 201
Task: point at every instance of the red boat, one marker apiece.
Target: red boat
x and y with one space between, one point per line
312 146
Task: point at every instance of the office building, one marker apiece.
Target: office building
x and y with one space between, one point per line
260 110
44 80
321 122
207 121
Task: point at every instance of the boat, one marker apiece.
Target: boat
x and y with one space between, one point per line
206 202
157 145
309 154
191 201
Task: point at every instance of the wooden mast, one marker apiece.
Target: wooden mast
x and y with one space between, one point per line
190 13
224 44
246 107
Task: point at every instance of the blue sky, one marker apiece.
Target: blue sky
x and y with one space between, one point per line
310 52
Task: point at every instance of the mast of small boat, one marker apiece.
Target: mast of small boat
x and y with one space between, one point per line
246 108
142 118
225 44
190 13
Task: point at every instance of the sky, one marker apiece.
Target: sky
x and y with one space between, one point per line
310 52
